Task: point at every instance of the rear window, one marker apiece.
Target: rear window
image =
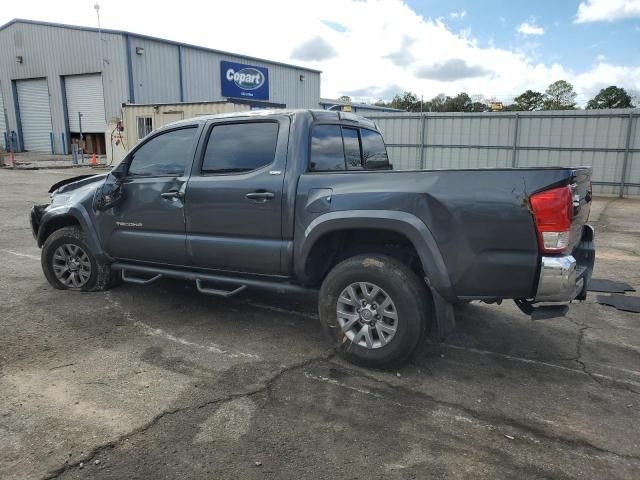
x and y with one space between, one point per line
374 152
327 153
240 147
336 148
352 153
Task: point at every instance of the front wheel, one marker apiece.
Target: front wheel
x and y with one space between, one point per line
375 310
69 264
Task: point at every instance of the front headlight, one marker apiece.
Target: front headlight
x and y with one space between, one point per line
59 199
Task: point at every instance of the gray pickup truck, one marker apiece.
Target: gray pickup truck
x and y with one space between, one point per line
307 201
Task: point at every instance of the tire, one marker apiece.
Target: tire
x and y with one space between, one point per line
410 301
90 274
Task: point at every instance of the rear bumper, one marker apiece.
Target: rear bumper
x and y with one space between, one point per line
565 278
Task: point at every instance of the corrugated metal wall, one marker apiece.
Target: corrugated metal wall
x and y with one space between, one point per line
156 72
607 140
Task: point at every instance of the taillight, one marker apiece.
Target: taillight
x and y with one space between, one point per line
553 212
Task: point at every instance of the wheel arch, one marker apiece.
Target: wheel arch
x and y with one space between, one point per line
58 218
402 223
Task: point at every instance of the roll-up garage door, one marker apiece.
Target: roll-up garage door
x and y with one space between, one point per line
3 124
35 115
85 95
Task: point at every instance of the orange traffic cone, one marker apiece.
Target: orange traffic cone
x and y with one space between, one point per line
94 160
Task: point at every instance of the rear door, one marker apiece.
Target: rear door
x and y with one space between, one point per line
234 196
148 225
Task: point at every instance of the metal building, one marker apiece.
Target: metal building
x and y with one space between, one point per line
58 79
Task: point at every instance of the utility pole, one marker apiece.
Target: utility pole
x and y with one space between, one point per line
104 60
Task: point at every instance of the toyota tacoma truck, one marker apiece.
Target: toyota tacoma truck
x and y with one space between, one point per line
304 200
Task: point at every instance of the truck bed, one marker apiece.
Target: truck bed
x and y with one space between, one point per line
480 219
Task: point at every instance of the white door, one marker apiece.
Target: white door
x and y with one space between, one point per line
3 124
35 115
85 95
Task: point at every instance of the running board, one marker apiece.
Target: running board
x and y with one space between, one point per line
237 284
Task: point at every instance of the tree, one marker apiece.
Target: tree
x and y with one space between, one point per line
406 101
479 107
611 97
560 96
529 101
460 103
437 103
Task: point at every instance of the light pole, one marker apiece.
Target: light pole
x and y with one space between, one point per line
96 6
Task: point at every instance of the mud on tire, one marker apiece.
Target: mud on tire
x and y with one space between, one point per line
396 315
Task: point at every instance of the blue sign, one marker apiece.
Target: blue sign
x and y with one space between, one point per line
244 81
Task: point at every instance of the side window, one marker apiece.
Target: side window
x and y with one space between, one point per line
374 152
327 153
352 153
167 154
240 147
145 126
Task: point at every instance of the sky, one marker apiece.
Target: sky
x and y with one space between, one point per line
373 49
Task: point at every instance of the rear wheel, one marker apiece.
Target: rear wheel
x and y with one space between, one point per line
375 310
69 264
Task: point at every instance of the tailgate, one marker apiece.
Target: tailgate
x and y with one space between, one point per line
581 188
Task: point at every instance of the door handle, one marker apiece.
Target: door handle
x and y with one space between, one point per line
260 196
172 194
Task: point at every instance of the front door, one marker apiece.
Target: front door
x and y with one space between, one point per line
148 223
234 196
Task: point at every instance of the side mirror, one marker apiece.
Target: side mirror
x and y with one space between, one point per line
110 192
121 170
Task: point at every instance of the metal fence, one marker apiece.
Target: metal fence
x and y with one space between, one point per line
607 140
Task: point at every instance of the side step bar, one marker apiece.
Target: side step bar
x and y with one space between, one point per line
238 284
219 293
139 281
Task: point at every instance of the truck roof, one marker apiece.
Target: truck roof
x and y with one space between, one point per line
317 114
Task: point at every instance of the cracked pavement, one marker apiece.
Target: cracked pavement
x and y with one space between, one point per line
162 382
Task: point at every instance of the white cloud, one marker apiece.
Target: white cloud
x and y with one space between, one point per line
526 28
394 49
315 49
607 10
456 15
588 84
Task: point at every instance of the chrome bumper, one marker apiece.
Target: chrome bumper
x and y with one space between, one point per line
559 281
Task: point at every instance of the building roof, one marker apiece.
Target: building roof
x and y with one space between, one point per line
336 101
149 37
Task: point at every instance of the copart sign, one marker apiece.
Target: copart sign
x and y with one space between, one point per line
244 81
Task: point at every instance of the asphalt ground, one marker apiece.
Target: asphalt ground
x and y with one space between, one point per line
162 382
